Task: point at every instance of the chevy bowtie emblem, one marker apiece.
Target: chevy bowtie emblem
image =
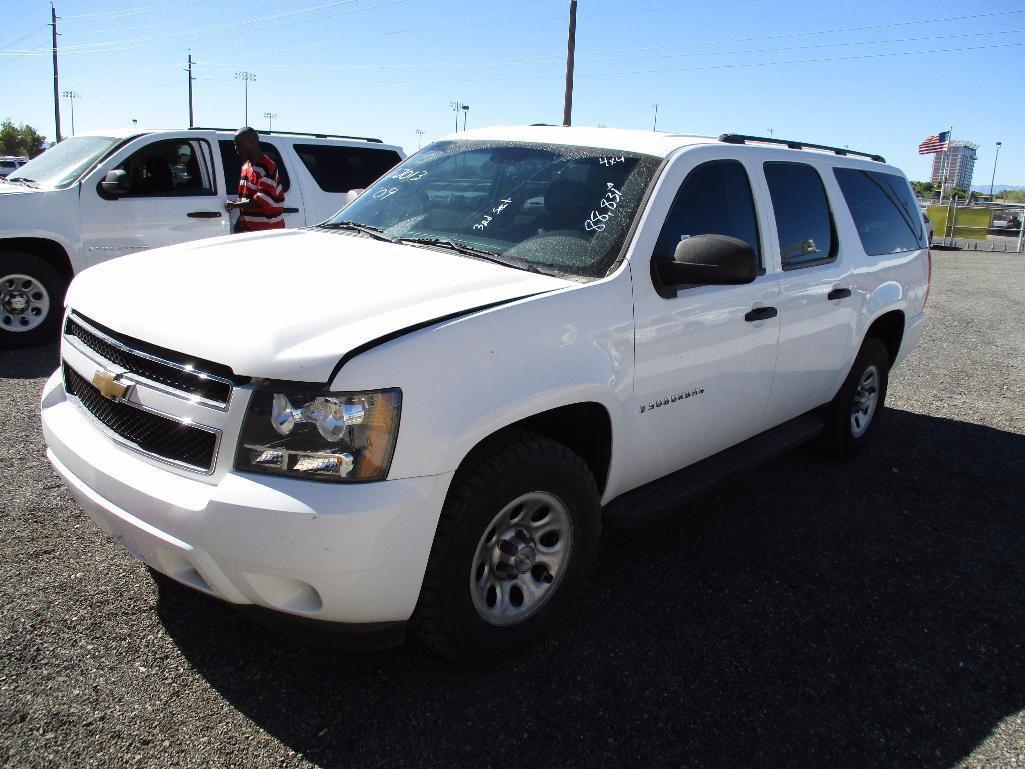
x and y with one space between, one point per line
109 387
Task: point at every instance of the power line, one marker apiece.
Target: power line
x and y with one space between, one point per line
554 60
132 11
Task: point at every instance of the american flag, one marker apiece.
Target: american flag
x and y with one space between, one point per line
935 143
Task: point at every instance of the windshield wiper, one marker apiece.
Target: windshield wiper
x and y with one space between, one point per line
366 229
462 248
22 180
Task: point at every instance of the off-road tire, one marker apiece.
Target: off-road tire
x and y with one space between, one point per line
499 471
23 263
838 436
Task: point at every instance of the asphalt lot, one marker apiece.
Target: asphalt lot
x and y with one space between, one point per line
809 614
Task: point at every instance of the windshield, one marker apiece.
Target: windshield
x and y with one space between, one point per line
547 207
62 164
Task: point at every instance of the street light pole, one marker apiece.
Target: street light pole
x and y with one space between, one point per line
993 178
270 120
245 77
72 95
466 109
654 124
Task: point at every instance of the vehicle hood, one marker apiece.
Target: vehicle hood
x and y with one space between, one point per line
8 188
288 304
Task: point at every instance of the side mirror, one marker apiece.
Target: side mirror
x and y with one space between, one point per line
717 260
115 183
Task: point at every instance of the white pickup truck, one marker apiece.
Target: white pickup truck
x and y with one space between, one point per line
426 408
59 213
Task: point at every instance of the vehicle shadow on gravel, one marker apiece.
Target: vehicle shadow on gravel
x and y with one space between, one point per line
809 614
30 363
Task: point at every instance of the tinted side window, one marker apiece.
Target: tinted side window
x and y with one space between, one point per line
883 210
340 169
232 164
803 219
714 199
168 167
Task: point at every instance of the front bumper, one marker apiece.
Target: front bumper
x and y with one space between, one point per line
335 553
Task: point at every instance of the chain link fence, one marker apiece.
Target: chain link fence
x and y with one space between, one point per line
977 226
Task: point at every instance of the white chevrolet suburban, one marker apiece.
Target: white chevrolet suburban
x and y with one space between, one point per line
100 195
423 411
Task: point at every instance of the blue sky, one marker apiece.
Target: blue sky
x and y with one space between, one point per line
876 75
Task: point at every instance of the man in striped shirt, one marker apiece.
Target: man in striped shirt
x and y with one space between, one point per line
261 201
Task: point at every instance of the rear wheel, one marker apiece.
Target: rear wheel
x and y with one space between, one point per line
853 416
31 297
515 543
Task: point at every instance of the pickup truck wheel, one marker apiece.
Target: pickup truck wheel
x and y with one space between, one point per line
853 416
31 297
515 543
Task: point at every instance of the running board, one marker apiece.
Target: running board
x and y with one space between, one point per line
671 492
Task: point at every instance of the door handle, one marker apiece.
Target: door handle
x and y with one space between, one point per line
760 313
290 210
838 293
203 214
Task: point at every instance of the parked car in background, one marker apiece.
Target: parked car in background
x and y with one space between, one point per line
928 228
104 194
424 410
11 163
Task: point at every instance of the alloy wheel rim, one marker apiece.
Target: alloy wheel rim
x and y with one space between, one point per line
521 558
866 399
24 303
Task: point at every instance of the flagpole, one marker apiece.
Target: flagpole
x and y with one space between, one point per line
946 162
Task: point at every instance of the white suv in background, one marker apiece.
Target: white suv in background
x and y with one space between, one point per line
424 410
11 163
104 194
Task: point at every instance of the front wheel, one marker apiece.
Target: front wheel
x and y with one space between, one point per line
853 417
515 543
31 297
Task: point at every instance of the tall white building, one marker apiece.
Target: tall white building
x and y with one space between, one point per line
958 163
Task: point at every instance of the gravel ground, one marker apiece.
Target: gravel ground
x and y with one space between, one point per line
814 614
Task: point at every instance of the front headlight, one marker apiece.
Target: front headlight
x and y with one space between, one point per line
327 437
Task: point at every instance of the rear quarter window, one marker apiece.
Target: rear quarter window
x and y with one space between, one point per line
232 164
884 211
340 169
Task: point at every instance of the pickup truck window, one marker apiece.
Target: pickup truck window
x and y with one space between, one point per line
232 165
714 199
883 209
804 222
554 208
340 169
63 165
168 167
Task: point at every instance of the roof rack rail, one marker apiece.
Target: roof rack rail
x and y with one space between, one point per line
311 134
795 145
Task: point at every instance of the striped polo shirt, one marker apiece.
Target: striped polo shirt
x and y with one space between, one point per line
259 182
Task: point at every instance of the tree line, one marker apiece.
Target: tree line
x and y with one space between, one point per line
20 139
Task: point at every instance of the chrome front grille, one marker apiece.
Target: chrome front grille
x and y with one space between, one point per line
164 369
157 435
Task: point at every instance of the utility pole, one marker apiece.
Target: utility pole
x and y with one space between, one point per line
56 84
456 106
571 44
654 124
419 137
993 178
245 77
72 95
270 120
191 78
